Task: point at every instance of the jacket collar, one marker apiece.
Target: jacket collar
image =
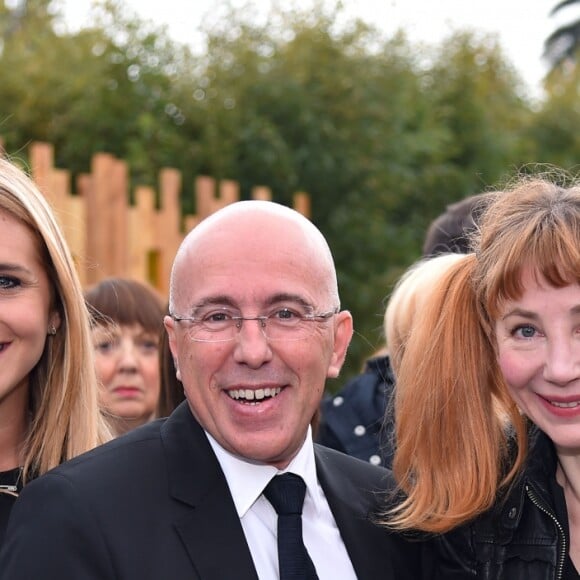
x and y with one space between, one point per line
542 459
538 471
209 526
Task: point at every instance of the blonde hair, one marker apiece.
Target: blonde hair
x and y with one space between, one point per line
65 418
455 451
410 292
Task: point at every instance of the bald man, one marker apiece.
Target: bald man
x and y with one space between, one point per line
255 329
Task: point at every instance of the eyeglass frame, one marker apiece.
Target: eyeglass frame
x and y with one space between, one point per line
262 319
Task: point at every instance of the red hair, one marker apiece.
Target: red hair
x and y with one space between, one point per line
455 419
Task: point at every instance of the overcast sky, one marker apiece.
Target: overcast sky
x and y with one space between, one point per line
522 25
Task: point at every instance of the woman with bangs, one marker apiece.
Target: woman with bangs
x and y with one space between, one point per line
487 405
127 328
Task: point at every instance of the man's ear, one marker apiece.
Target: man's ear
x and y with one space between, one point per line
169 324
342 336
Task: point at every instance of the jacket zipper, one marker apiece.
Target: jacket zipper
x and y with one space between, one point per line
542 507
9 489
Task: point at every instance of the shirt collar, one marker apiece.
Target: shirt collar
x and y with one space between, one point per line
247 480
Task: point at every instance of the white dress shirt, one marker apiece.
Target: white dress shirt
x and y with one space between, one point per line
259 520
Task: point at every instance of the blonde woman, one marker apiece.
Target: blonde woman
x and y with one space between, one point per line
359 419
48 389
411 292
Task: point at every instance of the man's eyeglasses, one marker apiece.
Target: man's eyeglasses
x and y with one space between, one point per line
224 324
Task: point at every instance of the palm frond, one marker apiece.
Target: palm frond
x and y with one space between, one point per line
562 5
562 44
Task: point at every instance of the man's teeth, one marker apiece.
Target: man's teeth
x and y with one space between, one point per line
570 405
251 395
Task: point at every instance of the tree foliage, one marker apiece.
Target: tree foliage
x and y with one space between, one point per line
381 133
104 88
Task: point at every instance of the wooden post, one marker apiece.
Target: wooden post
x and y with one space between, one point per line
42 164
168 227
107 217
301 202
141 234
204 196
229 192
261 192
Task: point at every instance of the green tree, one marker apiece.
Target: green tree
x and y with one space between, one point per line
552 134
381 133
108 88
481 102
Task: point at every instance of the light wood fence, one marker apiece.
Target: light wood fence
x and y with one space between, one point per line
109 235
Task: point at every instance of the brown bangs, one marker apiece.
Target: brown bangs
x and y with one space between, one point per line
125 302
549 247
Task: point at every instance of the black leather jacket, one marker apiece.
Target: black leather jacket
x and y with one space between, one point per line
521 538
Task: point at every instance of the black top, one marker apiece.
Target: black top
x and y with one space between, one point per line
10 485
570 572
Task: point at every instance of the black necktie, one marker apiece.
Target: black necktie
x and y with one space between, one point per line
286 493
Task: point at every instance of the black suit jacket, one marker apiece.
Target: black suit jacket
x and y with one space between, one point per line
155 504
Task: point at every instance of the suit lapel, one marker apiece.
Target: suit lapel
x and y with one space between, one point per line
215 541
352 507
209 528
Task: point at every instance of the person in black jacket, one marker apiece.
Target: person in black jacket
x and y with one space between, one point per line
357 420
487 406
352 421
